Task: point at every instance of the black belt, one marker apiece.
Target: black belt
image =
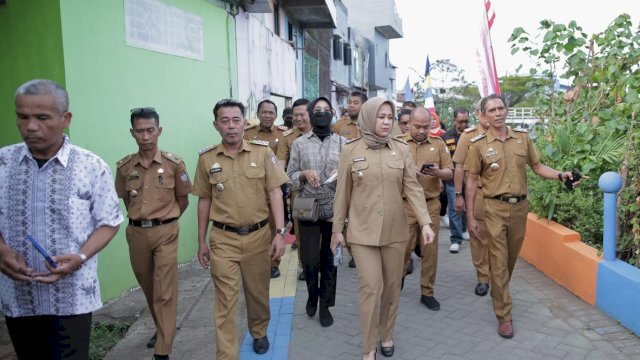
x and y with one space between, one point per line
244 230
433 198
150 223
510 199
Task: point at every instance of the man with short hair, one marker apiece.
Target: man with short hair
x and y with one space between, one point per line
347 126
433 164
62 197
287 118
154 186
233 181
499 157
456 221
403 120
271 134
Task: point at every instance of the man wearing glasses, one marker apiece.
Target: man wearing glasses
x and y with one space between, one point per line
154 186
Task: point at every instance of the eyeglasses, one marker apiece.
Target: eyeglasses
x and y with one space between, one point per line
142 110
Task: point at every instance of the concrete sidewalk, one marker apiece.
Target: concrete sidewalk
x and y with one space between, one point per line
549 321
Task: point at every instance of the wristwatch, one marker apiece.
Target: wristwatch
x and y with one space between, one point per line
458 193
83 257
282 231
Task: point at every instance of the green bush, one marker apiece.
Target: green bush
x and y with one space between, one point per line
104 337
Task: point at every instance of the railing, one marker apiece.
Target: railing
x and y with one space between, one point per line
522 116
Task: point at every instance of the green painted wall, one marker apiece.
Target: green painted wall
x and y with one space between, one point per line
106 78
31 47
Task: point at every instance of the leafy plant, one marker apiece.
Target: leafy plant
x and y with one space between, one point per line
592 126
104 337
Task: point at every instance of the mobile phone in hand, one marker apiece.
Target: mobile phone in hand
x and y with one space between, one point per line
337 258
42 251
576 176
426 167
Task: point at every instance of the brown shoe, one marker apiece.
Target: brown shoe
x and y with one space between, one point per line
505 329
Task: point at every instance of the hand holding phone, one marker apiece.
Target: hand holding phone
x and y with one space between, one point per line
426 167
576 177
42 251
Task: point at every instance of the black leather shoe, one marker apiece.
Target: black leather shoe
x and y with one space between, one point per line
387 351
275 272
410 267
160 357
152 342
311 309
326 319
430 302
261 346
301 276
294 246
482 289
352 263
402 284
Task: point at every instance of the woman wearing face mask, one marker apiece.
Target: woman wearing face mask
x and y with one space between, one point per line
375 172
312 169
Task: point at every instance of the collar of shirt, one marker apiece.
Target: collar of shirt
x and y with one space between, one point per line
62 155
157 157
407 137
220 149
491 138
269 130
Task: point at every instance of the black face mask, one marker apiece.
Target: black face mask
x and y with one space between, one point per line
322 123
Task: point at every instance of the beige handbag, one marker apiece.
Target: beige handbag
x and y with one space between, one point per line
305 209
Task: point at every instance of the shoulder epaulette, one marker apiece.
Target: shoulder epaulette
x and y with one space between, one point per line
205 149
124 160
250 127
436 138
288 132
400 140
259 142
353 140
282 128
473 128
476 138
173 157
522 130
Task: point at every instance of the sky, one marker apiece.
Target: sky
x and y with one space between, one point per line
449 29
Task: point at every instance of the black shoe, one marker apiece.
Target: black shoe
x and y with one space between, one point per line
261 346
160 357
430 302
152 342
326 319
402 284
352 263
387 351
482 289
311 309
294 246
275 272
301 276
410 267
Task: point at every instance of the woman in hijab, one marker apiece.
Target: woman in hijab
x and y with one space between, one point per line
375 172
312 169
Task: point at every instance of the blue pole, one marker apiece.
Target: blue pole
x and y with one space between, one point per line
610 183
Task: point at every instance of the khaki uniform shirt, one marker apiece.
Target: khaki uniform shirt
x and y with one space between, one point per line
432 151
463 146
238 186
273 135
284 147
371 184
347 128
151 193
502 164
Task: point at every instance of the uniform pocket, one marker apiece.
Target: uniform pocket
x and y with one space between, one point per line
521 156
164 188
396 164
219 185
254 180
359 171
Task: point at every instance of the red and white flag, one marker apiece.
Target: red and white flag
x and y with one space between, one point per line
488 76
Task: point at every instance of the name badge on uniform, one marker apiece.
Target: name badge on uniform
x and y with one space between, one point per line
490 153
215 168
134 175
359 159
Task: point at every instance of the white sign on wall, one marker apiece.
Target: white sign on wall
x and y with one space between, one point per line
153 25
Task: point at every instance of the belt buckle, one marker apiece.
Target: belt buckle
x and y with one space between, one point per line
513 200
243 230
146 223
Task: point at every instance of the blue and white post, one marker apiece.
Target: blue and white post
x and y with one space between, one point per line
610 183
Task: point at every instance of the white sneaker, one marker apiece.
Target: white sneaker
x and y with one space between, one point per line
454 248
444 221
465 235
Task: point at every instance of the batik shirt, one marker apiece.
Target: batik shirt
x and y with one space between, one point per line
60 204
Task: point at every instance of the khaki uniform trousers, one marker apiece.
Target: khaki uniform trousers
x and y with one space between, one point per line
480 246
154 259
505 224
232 256
429 260
380 274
